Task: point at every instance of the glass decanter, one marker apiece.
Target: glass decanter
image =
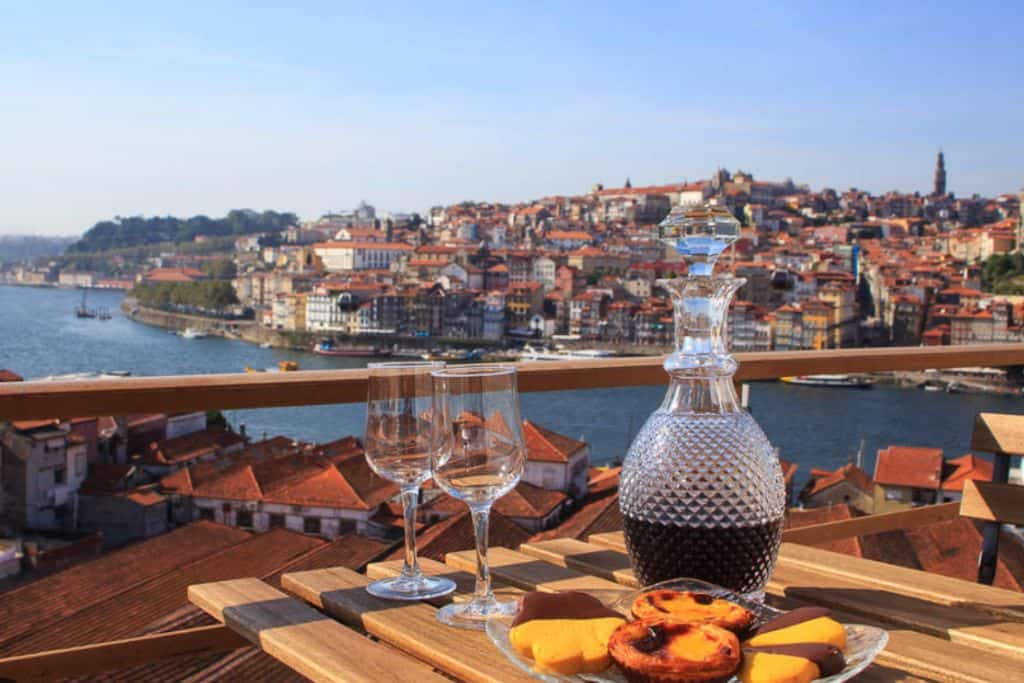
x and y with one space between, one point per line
702 494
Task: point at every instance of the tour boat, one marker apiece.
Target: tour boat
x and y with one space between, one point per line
541 353
193 333
327 348
833 381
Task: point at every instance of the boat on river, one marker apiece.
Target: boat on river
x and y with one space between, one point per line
327 347
562 353
83 311
193 333
831 381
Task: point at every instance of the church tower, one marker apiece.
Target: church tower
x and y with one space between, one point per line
940 175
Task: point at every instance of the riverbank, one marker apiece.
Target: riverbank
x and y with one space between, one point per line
254 333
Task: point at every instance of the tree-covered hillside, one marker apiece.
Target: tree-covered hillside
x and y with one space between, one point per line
137 230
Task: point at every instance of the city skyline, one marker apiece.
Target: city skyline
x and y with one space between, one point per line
124 111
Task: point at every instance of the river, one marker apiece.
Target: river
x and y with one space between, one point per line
813 427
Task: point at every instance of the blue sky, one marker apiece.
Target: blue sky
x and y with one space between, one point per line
202 107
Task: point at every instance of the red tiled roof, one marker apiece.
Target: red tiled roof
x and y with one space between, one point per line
379 246
40 604
909 466
849 473
193 446
529 501
833 513
788 470
131 612
966 467
9 376
456 533
544 445
598 513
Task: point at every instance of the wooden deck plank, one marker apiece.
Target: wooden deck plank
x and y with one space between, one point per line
993 502
181 393
302 638
872 524
917 653
998 433
933 587
411 627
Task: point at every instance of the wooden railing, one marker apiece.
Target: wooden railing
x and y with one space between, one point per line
43 400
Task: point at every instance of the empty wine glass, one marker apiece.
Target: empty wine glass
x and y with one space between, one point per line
478 457
399 439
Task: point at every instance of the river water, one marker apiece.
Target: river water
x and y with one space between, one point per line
813 427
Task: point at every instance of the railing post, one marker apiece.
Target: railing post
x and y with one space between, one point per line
988 559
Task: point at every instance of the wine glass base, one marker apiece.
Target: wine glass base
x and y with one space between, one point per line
474 614
404 588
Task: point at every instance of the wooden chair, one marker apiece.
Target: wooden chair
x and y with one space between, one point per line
997 502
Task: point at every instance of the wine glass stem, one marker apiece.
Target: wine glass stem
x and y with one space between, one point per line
481 515
410 499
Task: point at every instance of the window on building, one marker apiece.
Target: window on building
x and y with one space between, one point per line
206 513
243 519
276 521
311 525
59 475
893 494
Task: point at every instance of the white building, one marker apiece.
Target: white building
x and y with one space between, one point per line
43 468
544 272
332 311
309 491
340 257
555 462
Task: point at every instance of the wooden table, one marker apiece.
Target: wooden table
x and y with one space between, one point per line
941 629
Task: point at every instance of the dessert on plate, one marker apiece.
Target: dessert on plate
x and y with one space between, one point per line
666 650
691 606
564 633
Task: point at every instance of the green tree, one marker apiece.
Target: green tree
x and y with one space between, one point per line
221 269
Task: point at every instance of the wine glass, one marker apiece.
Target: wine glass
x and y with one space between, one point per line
478 457
399 438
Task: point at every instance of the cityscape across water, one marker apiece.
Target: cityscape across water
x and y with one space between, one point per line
814 427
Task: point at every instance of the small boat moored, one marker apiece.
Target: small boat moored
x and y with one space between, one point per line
831 381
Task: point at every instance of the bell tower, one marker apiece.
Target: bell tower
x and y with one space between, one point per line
940 175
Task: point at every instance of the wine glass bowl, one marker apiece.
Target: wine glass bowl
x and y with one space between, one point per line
478 456
400 434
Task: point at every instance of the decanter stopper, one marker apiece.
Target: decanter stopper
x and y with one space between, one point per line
700 234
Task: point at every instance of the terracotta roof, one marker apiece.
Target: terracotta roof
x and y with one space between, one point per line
959 470
379 246
833 513
37 605
189 447
909 466
849 473
456 533
529 501
952 549
9 376
788 470
544 445
598 513
131 612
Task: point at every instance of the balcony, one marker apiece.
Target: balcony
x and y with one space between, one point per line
941 628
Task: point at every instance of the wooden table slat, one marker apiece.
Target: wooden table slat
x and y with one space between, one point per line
411 627
934 587
302 638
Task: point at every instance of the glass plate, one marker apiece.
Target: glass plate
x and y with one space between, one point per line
863 643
